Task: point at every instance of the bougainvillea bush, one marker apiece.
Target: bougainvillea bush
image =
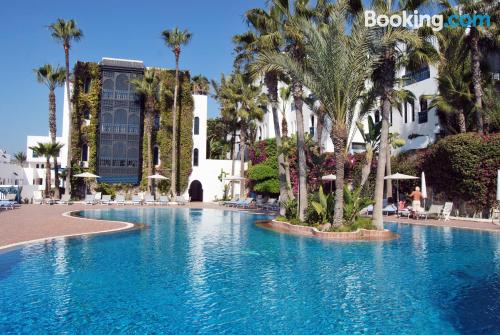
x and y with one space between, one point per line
464 167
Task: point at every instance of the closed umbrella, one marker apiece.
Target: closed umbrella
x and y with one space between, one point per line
498 185
397 177
423 187
85 176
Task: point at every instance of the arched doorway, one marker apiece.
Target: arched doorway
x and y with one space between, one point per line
196 191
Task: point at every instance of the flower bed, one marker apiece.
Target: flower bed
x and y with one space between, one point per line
358 235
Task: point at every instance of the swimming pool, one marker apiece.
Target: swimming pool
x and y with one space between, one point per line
214 272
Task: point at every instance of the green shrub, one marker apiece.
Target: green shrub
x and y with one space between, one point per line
353 203
360 223
320 208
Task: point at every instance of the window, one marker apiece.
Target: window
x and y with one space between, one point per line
156 155
391 116
196 127
311 129
260 133
157 121
406 112
195 157
86 114
86 85
415 77
422 116
377 116
35 154
85 152
38 166
413 111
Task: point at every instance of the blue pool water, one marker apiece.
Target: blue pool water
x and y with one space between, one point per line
214 272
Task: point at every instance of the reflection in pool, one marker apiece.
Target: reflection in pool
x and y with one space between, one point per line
208 271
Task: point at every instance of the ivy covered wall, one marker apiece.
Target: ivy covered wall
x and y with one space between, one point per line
86 98
163 136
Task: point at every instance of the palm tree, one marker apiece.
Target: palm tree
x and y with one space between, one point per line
175 39
477 38
335 67
65 32
201 85
228 114
386 49
264 36
239 96
47 150
52 77
20 158
290 14
148 89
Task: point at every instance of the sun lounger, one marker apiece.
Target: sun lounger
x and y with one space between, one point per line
65 200
149 200
90 199
389 209
180 200
119 200
106 199
37 197
231 202
163 200
247 203
446 212
98 197
8 204
136 200
434 211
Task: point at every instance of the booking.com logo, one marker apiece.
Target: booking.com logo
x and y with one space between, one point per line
416 20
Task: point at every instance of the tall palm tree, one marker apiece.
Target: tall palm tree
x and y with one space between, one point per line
148 89
478 39
372 141
391 57
201 85
335 67
265 35
52 77
290 14
175 39
20 158
47 150
66 32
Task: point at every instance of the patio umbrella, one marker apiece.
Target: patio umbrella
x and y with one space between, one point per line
498 185
86 175
154 177
397 177
423 187
331 178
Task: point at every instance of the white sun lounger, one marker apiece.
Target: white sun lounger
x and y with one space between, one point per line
90 199
106 199
149 200
119 199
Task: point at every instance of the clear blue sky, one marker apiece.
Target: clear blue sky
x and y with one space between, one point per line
112 28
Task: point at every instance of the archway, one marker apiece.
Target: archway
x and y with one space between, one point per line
196 191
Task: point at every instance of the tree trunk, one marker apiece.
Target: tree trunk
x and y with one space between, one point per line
67 186
476 78
301 150
149 133
271 79
339 136
233 163
388 171
173 189
53 130
47 177
461 121
388 74
289 189
319 131
381 165
242 164
366 169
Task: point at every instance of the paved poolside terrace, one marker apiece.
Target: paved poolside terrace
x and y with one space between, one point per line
37 223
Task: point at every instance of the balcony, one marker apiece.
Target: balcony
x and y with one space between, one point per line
415 77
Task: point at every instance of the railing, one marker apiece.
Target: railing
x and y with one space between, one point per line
415 77
119 128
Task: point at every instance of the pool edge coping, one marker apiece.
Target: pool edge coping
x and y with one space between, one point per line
127 226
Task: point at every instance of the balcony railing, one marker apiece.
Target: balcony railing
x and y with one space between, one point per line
415 77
